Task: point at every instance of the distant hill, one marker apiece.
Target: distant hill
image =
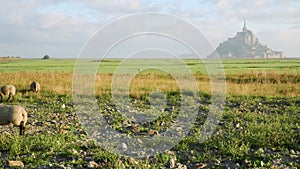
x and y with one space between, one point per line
245 45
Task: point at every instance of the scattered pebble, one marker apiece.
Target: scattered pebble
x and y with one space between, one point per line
171 162
93 164
62 131
123 146
15 164
178 129
218 161
38 123
153 132
292 152
199 166
133 161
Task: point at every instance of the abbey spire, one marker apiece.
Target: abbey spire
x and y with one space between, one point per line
244 28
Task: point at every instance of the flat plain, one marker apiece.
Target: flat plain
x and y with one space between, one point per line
259 127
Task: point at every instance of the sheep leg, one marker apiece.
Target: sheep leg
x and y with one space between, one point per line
22 128
9 96
1 98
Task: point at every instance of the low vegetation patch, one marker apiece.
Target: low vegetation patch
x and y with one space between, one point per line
254 132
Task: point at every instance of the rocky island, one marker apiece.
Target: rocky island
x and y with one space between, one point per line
245 45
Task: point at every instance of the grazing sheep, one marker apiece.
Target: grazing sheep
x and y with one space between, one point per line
35 86
13 116
9 90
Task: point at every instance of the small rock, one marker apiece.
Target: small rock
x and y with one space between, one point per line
292 152
124 146
170 152
153 132
53 122
75 152
178 129
62 131
93 164
38 123
172 162
133 161
15 164
199 166
33 155
180 166
139 141
141 153
47 124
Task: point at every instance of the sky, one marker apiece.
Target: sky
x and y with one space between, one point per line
62 28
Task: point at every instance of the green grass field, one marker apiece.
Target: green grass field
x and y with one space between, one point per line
231 66
259 127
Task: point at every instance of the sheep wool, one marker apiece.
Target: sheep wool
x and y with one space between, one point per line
35 86
9 90
13 116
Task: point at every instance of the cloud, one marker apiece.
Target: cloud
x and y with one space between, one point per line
31 27
30 32
261 11
115 8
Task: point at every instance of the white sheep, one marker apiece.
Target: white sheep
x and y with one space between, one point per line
13 116
35 86
9 90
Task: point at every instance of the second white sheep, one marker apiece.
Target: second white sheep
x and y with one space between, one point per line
9 90
35 86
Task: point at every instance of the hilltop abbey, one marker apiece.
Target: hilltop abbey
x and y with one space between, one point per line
245 45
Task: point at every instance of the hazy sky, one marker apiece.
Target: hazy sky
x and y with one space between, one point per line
60 28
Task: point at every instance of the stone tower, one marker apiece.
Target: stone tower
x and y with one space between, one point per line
248 37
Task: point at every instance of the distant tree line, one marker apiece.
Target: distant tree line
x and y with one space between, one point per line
17 57
10 57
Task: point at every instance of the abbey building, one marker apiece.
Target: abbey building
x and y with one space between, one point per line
245 45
